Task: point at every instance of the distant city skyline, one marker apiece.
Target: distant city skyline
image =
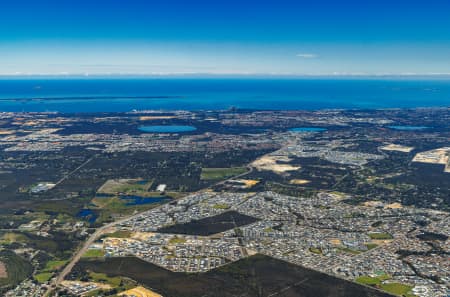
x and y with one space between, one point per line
174 37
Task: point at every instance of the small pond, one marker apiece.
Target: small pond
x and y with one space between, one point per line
88 215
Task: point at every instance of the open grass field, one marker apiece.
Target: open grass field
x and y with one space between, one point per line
105 279
12 237
371 246
54 265
397 289
43 277
119 234
392 288
368 280
221 206
221 173
315 250
94 253
129 186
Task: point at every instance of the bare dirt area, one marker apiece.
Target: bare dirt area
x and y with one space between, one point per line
271 163
397 148
3 271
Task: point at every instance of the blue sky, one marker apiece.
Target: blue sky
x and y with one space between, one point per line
224 37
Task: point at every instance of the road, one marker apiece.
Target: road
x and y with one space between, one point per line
99 232
250 170
77 256
73 171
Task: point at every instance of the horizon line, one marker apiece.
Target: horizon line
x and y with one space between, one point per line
221 75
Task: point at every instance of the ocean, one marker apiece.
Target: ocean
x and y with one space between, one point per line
122 95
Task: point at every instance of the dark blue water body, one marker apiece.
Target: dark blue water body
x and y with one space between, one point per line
167 129
88 215
119 95
408 128
137 200
307 129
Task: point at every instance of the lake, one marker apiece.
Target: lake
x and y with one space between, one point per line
167 129
138 200
307 129
408 128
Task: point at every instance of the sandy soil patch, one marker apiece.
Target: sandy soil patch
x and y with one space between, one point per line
248 182
381 241
3 271
437 156
251 252
299 181
152 118
6 132
372 203
395 205
30 123
336 241
112 241
142 235
397 148
270 163
111 186
140 292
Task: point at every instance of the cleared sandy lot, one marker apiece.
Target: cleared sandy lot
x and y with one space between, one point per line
437 156
397 148
270 163
140 292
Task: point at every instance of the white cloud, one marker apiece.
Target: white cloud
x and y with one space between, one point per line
307 55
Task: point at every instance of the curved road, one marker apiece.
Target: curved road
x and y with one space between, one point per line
99 232
103 230
92 238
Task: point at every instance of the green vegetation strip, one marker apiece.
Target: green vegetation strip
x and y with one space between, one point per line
119 234
221 173
43 277
369 281
392 288
221 206
103 278
397 289
315 250
54 265
371 246
94 253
